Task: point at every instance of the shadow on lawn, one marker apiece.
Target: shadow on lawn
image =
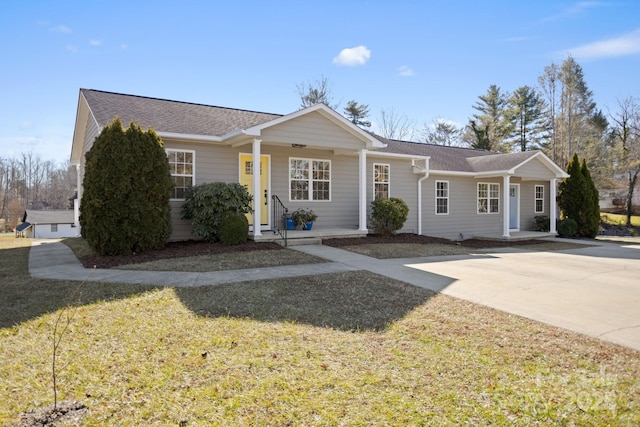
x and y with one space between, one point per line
23 298
350 301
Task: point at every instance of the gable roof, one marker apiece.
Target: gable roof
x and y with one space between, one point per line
229 125
49 217
163 115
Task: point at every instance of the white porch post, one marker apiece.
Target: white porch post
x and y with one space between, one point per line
362 187
505 206
257 197
553 205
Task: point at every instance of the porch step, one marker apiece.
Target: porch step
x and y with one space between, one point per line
304 241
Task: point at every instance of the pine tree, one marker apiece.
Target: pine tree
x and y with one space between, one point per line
356 113
492 108
127 185
525 111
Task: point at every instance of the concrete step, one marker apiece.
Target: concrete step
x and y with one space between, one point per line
304 241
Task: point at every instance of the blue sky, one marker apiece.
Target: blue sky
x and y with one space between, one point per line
421 59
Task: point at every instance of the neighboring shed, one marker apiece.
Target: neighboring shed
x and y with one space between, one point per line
47 224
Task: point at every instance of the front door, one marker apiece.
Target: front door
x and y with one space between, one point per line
514 207
246 178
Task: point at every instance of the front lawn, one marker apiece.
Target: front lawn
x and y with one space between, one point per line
349 349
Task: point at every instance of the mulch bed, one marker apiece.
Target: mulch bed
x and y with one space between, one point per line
196 248
425 240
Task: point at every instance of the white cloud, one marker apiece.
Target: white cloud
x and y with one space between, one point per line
62 29
123 46
71 48
628 44
405 71
94 42
353 56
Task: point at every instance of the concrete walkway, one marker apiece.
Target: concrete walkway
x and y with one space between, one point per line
593 290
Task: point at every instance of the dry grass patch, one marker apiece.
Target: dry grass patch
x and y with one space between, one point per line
227 261
284 352
414 250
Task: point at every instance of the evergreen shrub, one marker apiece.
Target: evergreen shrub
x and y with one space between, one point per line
127 186
541 223
567 227
388 215
207 204
234 229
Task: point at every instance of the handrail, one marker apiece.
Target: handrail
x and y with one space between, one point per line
280 216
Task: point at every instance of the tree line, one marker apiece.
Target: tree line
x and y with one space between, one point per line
29 182
557 116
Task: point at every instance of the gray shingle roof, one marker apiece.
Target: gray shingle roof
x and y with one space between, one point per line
50 217
170 116
197 119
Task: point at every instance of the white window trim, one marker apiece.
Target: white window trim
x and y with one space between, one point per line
310 162
193 167
489 198
436 198
536 198
388 182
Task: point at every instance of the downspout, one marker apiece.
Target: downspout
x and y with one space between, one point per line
426 175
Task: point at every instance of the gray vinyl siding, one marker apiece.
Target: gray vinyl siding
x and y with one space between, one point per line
403 184
342 210
312 130
220 163
527 203
463 220
534 169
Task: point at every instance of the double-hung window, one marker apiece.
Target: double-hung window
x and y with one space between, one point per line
488 198
442 197
182 168
539 201
309 179
381 181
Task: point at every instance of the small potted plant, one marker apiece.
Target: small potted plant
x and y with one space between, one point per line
304 218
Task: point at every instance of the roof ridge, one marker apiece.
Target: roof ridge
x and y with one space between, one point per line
152 98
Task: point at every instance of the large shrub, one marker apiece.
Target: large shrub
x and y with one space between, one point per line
388 215
207 204
234 229
578 199
127 185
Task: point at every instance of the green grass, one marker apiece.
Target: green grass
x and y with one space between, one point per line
618 219
351 349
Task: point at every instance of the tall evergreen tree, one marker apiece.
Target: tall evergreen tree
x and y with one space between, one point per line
578 198
591 205
526 112
491 109
572 192
127 185
356 113
477 137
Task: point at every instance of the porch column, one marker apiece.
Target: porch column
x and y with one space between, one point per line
553 205
505 206
362 189
257 197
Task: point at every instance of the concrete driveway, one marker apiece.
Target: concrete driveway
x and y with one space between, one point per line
594 290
